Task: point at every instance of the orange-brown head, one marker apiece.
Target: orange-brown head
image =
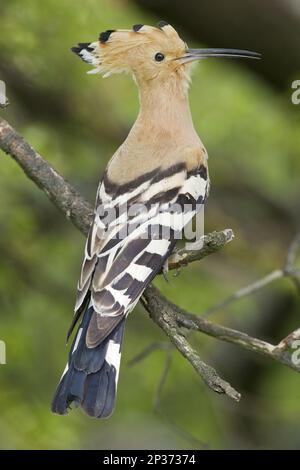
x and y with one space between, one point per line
149 53
145 51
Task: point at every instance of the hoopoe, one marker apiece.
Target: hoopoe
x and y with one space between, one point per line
161 165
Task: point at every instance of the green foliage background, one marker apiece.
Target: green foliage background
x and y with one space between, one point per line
76 121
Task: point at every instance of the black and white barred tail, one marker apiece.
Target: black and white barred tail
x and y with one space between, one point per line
91 375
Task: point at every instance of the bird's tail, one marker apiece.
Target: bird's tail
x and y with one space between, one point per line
91 375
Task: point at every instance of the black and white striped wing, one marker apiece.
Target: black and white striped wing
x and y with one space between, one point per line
123 255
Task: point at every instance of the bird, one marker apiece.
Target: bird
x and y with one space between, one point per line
151 189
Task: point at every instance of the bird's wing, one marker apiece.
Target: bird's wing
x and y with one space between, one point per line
135 229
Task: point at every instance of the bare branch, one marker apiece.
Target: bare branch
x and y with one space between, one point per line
288 271
281 353
162 380
244 291
194 441
61 193
208 244
161 345
292 253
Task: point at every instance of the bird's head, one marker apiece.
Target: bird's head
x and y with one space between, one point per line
149 53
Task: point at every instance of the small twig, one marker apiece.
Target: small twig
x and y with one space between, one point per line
292 253
194 441
244 291
281 353
210 243
287 343
162 381
179 317
157 402
288 271
148 350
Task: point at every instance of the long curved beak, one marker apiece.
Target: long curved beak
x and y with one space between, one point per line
196 54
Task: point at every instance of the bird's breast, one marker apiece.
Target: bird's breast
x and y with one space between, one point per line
133 159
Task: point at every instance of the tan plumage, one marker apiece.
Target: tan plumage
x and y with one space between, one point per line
159 175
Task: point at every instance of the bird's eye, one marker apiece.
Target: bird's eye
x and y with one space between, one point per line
159 57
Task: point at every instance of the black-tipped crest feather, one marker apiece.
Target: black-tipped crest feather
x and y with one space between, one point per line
137 27
104 36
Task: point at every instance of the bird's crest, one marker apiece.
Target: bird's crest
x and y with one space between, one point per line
124 50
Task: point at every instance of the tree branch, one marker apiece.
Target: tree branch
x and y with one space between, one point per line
61 193
208 244
289 271
162 310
